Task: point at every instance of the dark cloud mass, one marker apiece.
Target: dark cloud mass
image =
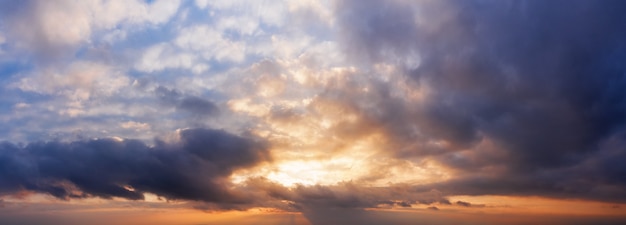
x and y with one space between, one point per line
541 80
193 105
193 168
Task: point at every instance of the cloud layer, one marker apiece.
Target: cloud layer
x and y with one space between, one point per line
343 105
524 94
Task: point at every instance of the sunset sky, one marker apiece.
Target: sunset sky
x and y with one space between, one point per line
312 112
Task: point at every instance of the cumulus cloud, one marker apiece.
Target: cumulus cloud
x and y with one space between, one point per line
50 27
163 56
210 43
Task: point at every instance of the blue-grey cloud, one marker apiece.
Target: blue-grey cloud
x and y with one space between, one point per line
193 105
194 168
540 80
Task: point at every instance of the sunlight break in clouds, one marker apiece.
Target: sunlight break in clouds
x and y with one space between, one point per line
312 112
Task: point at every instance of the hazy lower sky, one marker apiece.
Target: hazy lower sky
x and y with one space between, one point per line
312 112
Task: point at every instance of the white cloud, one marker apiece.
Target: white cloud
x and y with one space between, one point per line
312 11
137 126
269 12
243 24
163 56
161 11
114 36
79 81
95 85
192 49
50 24
210 44
290 47
202 4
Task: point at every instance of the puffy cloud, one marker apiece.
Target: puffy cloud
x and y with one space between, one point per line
163 56
268 12
49 27
79 80
210 43
194 48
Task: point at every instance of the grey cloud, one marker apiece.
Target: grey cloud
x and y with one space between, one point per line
345 203
540 80
345 195
195 168
194 105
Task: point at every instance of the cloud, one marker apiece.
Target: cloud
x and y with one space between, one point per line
77 81
467 204
195 167
50 29
271 13
163 56
194 105
522 94
210 43
449 97
344 195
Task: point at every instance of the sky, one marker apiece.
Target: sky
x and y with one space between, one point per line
182 112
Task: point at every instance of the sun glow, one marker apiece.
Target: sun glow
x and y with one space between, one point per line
370 170
299 172
312 172
308 172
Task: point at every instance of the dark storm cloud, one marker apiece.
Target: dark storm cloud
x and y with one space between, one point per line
542 80
194 168
191 104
